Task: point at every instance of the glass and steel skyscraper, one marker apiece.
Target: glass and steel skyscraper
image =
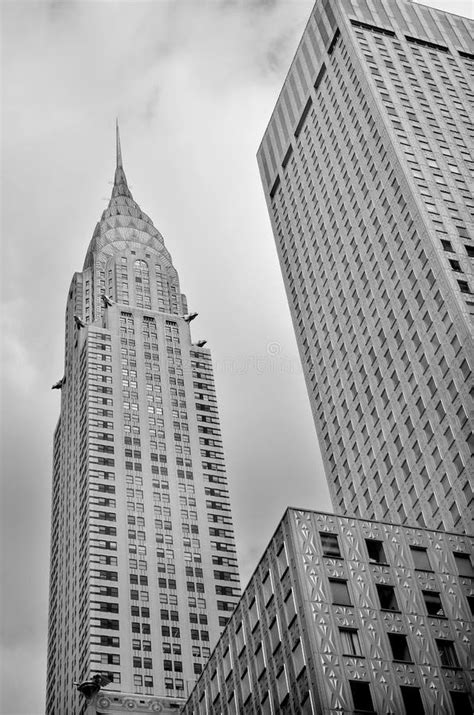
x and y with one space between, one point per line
143 563
366 166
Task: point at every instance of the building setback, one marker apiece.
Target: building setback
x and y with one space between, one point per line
143 563
366 169
346 615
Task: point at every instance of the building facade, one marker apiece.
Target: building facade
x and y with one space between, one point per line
345 615
143 564
365 166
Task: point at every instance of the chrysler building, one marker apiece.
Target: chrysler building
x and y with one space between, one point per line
143 563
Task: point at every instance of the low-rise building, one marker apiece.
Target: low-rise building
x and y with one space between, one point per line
346 615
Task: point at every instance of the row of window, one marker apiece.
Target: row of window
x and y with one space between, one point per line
387 598
376 554
412 701
351 646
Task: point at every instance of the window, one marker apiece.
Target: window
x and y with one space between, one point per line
245 686
361 696
266 705
399 646
274 635
282 685
412 700
259 661
470 601
267 588
239 639
231 705
253 614
350 641
447 653
375 551
282 560
464 565
290 608
387 598
330 545
420 558
340 592
226 664
433 603
214 686
297 658
461 703
464 286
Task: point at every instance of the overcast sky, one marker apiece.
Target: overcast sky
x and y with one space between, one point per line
193 84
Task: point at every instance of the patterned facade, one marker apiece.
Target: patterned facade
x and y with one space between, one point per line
345 615
143 563
365 166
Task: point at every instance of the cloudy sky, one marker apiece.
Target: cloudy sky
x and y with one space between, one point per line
193 83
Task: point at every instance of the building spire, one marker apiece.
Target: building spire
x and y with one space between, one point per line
120 180
118 147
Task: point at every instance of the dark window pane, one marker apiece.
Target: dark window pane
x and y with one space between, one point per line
433 603
461 703
350 641
447 653
330 545
420 558
470 600
387 598
340 592
412 700
375 551
399 646
361 696
464 565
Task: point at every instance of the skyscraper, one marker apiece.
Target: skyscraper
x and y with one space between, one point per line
365 166
143 563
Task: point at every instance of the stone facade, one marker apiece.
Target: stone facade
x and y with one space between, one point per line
365 166
345 615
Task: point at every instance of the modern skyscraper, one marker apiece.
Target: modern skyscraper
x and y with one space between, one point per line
143 563
365 166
